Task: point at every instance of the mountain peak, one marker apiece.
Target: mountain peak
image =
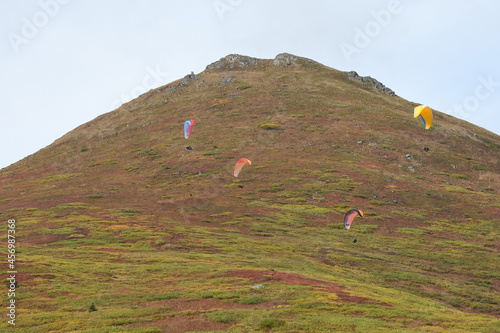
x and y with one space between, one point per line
128 194
238 61
233 61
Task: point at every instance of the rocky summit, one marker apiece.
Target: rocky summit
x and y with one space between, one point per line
125 225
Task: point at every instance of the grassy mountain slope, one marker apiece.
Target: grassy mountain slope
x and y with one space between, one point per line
162 239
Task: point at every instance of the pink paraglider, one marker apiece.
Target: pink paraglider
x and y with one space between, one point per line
350 215
188 125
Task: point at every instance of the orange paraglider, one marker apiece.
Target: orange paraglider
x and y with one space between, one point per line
240 164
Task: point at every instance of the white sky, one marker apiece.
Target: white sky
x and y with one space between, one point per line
64 62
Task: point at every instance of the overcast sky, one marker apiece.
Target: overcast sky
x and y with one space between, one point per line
64 62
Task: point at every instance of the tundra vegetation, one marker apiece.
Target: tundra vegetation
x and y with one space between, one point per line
121 229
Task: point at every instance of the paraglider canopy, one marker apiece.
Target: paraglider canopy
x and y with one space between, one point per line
425 113
350 215
240 164
188 125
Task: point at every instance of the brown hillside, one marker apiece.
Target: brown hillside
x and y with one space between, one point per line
121 197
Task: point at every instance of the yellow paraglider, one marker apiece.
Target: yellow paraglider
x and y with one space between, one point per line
425 113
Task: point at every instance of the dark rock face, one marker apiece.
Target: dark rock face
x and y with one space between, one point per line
364 80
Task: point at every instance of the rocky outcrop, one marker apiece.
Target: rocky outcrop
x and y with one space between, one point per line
187 79
241 62
237 61
369 81
285 59
234 61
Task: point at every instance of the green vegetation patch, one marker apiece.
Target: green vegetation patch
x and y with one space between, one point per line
163 296
411 277
74 205
131 168
244 86
302 209
458 176
270 126
214 152
284 218
418 216
412 231
379 202
456 189
57 177
366 228
124 212
227 316
59 231
252 300
94 196
271 323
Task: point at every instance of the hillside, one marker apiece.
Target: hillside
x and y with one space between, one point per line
119 214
